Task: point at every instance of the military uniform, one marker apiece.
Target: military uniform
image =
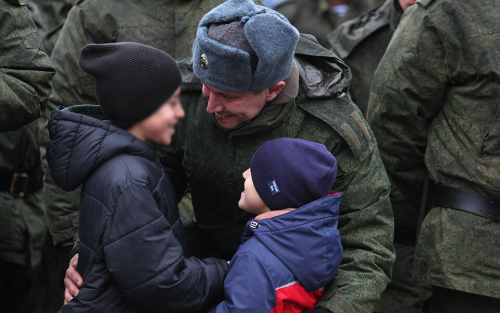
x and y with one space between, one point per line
316 18
24 89
26 71
22 221
361 44
169 26
49 17
434 108
212 160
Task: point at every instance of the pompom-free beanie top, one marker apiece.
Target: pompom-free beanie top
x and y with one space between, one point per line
290 173
132 80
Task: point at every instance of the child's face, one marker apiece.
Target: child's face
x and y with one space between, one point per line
159 127
250 200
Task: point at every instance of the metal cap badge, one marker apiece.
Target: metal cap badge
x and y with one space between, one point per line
204 61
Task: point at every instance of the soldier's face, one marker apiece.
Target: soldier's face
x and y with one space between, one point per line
234 108
405 4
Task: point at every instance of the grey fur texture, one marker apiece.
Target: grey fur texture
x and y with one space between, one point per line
270 35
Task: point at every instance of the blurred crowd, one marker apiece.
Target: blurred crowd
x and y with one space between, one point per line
425 76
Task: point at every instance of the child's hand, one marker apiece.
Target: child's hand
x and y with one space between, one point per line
72 281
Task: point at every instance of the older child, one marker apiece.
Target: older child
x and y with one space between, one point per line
292 249
131 238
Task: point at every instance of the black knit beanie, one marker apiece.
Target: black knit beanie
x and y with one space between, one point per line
131 80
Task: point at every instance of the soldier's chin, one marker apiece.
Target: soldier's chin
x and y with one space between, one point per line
225 120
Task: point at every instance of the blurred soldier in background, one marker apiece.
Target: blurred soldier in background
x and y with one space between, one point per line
26 71
361 43
49 17
24 89
435 108
23 224
320 17
167 25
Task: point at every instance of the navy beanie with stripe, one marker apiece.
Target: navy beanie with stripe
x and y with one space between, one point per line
290 173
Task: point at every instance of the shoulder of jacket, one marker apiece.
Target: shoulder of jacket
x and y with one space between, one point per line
350 33
343 116
127 170
425 3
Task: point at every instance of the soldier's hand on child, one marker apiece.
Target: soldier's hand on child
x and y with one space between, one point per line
72 281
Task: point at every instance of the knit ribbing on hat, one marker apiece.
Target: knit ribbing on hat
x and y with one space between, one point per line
131 80
290 173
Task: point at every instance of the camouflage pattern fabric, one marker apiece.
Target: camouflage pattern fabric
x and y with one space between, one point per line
361 43
22 219
435 106
212 160
49 17
167 25
314 16
25 70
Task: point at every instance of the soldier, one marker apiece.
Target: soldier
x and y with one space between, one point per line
169 26
320 17
24 89
361 43
26 71
49 17
250 94
22 221
434 107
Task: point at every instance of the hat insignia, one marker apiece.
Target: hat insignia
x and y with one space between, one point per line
204 61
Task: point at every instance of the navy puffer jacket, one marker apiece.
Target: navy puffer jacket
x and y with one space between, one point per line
131 237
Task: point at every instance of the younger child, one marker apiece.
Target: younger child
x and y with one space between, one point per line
131 238
292 249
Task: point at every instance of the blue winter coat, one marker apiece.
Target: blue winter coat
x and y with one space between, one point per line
284 262
131 238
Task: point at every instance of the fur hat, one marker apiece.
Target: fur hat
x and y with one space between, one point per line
241 46
290 173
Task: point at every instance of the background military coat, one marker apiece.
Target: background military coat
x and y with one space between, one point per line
361 44
435 106
25 68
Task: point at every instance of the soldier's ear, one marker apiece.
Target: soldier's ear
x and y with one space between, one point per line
273 92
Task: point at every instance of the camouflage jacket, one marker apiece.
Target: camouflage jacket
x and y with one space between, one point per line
212 160
49 17
361 43
314 16
435 106
22 218
25 68
167 25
